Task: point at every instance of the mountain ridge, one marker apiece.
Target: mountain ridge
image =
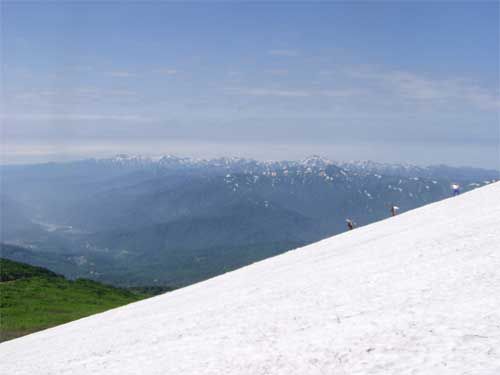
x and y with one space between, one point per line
314 161
98 218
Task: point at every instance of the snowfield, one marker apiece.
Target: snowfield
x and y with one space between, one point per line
414 294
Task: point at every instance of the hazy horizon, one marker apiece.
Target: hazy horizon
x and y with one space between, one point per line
399 82
280 154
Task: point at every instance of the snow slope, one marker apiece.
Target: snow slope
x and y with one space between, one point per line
414 294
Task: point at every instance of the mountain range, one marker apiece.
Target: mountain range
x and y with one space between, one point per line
134 220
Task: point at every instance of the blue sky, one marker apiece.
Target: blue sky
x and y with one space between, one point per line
410 82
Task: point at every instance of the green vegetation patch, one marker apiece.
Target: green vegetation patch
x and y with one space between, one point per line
10 270
33 298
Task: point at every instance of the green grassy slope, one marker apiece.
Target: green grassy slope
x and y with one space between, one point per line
33 298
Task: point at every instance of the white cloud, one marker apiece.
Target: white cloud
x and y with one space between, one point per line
325 73
297 93
74 117
482 98
82 68
341 93
166 71
96 93
75 94
33 94
121 74
269 92
417 87
283 52
277 72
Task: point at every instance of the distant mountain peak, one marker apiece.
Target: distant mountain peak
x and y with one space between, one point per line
314 164
316 161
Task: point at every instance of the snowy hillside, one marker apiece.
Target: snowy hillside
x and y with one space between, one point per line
414 294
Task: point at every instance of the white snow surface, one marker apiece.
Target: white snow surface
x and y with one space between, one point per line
415 294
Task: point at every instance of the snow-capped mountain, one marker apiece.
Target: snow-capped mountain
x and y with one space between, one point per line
313 163
393 297
172 220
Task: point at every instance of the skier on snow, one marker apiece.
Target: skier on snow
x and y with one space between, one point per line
456 189
394 210
350 224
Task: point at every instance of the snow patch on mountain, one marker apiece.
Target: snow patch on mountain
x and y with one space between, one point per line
308 168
